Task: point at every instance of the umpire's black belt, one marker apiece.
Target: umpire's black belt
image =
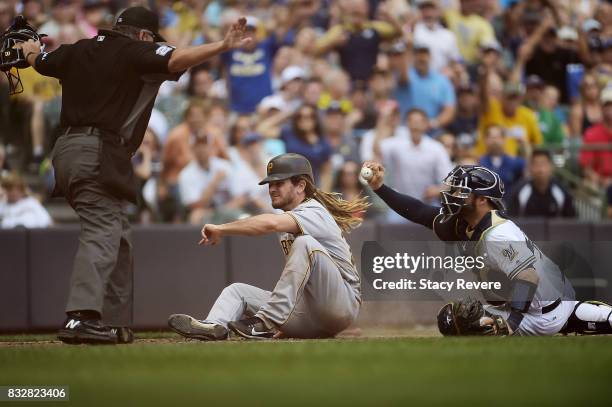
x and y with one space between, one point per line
551 307
89 130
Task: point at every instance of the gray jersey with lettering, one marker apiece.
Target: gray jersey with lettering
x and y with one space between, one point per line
314 220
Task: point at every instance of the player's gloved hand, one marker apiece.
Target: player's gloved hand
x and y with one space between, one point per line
472 319
379 174
211 235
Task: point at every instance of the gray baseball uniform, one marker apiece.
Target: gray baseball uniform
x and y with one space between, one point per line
318 293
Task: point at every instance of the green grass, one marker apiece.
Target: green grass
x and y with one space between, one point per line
380 372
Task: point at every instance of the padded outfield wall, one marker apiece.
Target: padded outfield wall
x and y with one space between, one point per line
173 274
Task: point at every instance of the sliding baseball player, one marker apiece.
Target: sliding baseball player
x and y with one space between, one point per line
318 294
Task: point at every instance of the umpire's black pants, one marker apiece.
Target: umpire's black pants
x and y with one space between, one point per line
102 275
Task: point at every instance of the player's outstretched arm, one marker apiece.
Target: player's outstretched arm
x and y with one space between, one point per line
253 226
184 58
405 205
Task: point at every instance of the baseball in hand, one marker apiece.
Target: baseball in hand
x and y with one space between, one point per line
366 173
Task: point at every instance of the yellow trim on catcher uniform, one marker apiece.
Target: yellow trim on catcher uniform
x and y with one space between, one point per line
523 266
496 220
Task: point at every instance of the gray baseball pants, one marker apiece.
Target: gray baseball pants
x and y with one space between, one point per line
102 273
310 300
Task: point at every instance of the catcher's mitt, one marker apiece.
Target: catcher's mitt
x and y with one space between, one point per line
468 317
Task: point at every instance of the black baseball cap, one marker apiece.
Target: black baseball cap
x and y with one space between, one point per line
141 17
285 166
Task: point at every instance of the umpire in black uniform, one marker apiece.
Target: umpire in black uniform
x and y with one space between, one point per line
109 87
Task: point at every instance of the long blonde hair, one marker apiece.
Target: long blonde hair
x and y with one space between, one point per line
342 210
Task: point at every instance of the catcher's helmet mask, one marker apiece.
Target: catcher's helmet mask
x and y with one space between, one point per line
464 180
13 59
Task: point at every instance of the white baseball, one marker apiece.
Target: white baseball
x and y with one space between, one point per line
366 173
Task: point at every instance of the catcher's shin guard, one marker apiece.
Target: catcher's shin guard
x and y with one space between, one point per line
590 318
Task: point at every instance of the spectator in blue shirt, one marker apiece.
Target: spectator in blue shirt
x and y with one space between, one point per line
510 169
249 70
467 112
305 136
420 87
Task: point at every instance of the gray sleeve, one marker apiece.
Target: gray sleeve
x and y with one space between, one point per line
509 257
312 220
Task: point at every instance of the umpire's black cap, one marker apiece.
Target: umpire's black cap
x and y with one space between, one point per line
141 17
286 166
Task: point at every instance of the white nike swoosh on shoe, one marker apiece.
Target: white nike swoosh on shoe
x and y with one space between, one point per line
257 333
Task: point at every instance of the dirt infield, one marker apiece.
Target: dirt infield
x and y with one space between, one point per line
166 337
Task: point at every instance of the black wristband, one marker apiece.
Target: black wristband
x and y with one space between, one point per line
522 294
514 320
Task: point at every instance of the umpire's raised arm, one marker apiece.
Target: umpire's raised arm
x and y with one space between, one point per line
178 59
184 58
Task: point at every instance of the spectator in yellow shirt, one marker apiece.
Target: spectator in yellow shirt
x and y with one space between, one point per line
520 123
470 29
38 87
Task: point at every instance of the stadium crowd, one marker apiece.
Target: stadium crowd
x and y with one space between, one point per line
522 87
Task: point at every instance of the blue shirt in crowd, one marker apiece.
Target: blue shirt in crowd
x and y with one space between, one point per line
510 169
250 75
318 154
429 93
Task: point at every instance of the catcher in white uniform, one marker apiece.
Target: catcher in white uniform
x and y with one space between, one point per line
541 301
318 294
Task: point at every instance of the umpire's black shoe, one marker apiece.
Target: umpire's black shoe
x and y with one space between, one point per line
251 328
92 331
124 334
192 328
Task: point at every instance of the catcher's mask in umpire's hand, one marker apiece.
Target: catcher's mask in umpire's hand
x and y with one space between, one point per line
470 179
11 59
